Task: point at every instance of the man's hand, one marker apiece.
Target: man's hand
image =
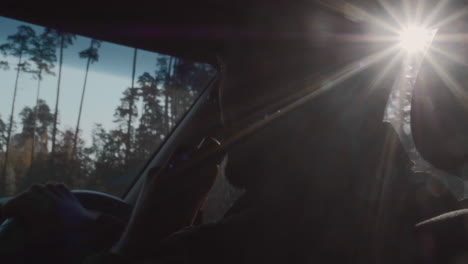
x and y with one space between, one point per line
48 211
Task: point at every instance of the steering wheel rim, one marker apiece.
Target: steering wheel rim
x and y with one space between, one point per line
12 233
100 202
104 203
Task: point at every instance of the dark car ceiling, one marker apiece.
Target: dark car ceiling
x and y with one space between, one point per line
186 29
194 30
190 29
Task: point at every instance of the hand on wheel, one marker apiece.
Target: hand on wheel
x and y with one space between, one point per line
48 211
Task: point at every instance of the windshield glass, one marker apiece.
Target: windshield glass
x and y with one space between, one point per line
82 111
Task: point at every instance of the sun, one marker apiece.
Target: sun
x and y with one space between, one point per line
414 39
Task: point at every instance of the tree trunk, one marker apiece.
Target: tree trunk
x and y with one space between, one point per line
166 99
132 98
54 128
38 91
3 180
166 111
75 139
173 93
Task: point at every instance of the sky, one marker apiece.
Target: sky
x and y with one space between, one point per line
107 79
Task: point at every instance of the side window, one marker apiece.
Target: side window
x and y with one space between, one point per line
82 111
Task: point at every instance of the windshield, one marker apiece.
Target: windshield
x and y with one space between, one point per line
82 111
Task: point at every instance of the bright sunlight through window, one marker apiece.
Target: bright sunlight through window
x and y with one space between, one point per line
414 39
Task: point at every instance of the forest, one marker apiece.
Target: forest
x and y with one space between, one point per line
34 148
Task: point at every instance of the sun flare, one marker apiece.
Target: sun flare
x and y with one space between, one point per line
414 39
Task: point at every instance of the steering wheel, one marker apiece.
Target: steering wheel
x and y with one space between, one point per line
104 203
13 234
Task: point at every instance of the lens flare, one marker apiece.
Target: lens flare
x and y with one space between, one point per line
414 39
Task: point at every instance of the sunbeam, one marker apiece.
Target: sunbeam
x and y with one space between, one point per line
407 11
351 8
435 11
353 69
380 76
392 12
452 84
452 57
311 92
365 38
453 17
376 81
452 38
419 12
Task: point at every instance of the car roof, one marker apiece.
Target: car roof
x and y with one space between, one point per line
194 30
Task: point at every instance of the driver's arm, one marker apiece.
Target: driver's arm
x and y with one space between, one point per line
170 201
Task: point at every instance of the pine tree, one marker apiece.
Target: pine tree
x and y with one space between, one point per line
62 41
4 65
42 115
26 171
109 156
91 55
2 134
163 78
150 131
125 115
43 55
132 111
19 46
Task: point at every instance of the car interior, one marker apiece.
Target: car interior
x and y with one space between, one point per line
296 96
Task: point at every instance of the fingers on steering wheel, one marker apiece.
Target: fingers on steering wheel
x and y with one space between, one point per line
58 189
46 191
50 188
37 194
21 202
63 189
13 206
